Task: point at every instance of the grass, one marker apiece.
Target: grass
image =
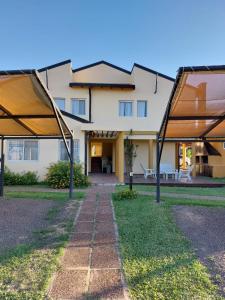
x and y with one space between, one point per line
158 261
44 195
26 270
218 191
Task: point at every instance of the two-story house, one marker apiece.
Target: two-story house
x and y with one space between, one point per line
101 103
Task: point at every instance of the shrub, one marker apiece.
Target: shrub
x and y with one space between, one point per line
58 175
125 195
24 178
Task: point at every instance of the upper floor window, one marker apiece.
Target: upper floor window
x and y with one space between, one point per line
142 108
22 150
125 108
63 155
78 107
60 102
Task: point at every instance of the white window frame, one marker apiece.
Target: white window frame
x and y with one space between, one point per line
68 142
132 109
23 160
60 98
146 101
85 106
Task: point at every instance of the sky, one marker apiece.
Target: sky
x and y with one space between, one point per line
160 34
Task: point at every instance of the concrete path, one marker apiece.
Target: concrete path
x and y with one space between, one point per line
91 267
186 196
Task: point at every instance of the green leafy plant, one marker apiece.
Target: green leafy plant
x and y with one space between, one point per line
24 178
58 175
125 195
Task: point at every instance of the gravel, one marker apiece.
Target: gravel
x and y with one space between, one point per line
205 228
19 218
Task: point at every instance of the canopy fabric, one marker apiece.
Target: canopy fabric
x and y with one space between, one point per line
196 108
26 107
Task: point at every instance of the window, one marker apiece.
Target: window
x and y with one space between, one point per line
224 146
22 150
60 102
63 155
78 107
125 108
142 108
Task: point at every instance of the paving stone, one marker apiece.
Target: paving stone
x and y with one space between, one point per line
69 284
107 226
84 226
75 257
81 239
104 238
106 284
104 217
104 257
86 217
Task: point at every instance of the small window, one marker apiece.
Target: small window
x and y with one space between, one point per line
125 108
60 102
22 150
224 146
63 155
142 108
78 107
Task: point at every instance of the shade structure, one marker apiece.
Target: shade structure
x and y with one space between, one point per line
195 111
27 110
196 107
26 107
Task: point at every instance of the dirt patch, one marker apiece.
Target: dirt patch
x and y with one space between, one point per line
205 228
19 218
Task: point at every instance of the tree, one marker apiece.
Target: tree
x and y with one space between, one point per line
130 155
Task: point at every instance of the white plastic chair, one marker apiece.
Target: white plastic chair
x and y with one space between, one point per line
185 173
148 172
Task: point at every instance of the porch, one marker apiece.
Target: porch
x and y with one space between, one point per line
199 181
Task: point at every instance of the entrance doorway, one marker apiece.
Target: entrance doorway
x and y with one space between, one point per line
101 154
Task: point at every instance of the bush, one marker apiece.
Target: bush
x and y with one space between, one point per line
24 178
58 175
125 195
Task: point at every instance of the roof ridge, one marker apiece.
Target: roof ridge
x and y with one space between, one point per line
64 62
102 62
152 71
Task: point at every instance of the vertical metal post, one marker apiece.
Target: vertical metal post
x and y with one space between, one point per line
2 168
85 154
71 168
157 170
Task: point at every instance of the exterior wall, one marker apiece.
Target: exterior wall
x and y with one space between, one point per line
105 112
102 74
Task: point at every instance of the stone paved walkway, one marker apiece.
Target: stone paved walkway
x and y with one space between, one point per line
91 265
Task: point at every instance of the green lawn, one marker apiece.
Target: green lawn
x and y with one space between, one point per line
158 261
219 191
45 195
25 271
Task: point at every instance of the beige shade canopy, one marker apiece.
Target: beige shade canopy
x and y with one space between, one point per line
197 104
26 107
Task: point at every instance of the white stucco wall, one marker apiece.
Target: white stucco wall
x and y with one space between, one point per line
105 111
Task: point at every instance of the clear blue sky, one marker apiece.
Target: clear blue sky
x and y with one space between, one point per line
160 34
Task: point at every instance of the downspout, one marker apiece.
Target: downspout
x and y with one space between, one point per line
90 103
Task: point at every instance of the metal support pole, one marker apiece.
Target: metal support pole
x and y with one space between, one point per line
85 154
2 169
71 168
157 170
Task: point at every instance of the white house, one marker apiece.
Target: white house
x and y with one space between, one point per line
101 103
